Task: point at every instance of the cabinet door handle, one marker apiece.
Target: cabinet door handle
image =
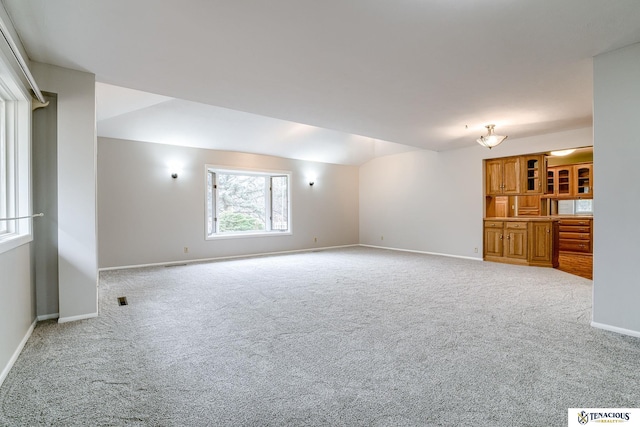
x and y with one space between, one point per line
501 237
548 231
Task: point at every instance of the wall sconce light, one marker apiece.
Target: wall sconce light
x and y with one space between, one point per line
175 168
311 183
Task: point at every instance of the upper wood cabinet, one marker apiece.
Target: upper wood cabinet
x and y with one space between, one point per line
583 176
503 176
533 174
571 181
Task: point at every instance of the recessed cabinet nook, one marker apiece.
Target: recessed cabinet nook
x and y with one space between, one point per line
539 210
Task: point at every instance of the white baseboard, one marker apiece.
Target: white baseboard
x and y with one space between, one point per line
616 329
74 318
16 353
48 317
422 252
222 258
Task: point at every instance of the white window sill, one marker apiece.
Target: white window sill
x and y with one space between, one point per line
222 236
10 242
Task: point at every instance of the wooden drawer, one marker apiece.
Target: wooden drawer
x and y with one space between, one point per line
516 225
576 222
575 236
493 224
575 245
575 228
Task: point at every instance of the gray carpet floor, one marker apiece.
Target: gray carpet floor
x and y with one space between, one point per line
348 337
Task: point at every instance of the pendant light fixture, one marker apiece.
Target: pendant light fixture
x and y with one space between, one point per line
491 139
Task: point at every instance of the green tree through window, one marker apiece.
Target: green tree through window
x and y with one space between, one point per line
245 202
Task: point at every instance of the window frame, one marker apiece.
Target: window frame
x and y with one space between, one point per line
15 135
210 198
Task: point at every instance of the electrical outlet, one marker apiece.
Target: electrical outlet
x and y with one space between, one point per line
186 250
475 250
381 237
315 240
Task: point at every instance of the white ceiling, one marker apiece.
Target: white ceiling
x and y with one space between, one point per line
165 120
423 73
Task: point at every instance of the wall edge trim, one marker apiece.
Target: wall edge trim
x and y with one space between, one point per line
79 317
48 317
222 258
616 329
16 354
423 252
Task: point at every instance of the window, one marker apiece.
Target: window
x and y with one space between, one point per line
242 202
584 206
4 225
15 152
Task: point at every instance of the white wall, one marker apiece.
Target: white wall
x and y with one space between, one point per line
17 304
433 201
17 287
146 217
617 198
77 260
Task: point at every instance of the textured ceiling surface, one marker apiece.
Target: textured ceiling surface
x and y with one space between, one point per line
427 74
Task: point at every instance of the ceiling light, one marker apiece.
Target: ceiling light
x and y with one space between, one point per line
490 140
561 153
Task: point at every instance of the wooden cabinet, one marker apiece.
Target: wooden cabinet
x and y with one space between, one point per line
551 181
503 176
533 174
516 175
528 205
493 237
576 235
570 181
517 241
583 179
543 245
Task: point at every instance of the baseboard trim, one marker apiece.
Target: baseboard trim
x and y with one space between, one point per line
48 317
222 258
16 353
422 252
74 318
616 329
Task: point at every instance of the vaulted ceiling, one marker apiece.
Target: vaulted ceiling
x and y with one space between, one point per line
423 73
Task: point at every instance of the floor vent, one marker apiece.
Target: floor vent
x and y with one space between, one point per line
122 301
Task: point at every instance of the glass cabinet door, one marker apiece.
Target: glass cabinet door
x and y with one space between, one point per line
564 181
533 171
584 184
551 181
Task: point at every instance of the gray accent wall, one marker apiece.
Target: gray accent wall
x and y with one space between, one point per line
45 200
146 217
617 196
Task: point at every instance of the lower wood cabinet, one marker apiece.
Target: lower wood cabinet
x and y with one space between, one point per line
576 235
522 241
